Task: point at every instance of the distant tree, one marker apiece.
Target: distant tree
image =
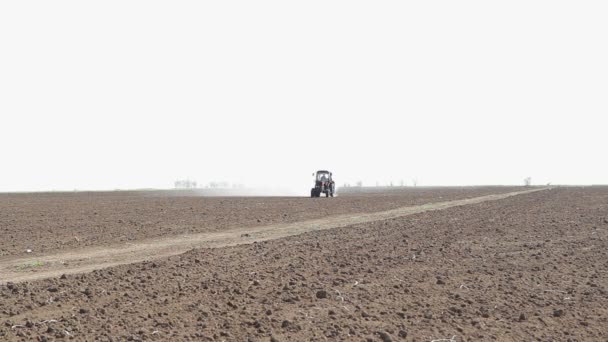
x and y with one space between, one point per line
359 183
402 183
414 181
527 181
185 184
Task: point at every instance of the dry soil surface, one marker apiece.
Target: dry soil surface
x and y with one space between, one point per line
46 222
527 267
39 266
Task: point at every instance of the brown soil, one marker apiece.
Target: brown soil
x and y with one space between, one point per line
527 267
16 269
46 222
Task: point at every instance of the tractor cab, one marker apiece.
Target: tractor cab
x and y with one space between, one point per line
323 176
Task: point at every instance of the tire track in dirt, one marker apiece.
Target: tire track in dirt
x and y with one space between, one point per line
88 259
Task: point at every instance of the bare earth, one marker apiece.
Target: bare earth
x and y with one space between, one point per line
62 221
528 267
80 260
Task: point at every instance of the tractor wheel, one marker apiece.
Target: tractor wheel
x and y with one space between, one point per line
312 193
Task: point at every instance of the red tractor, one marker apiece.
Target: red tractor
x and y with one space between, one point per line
324 184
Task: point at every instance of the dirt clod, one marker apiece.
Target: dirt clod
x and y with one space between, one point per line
384 336
322 294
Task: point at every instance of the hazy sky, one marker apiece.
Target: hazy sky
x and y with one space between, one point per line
131 94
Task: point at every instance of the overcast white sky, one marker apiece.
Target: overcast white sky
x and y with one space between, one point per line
132 94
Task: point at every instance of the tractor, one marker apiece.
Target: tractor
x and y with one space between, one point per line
324 184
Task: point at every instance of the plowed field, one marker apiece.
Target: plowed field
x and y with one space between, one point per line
532 266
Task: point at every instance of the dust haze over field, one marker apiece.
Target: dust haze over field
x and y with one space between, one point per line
240 192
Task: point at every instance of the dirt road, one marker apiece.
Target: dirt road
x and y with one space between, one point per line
46 223
17 269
